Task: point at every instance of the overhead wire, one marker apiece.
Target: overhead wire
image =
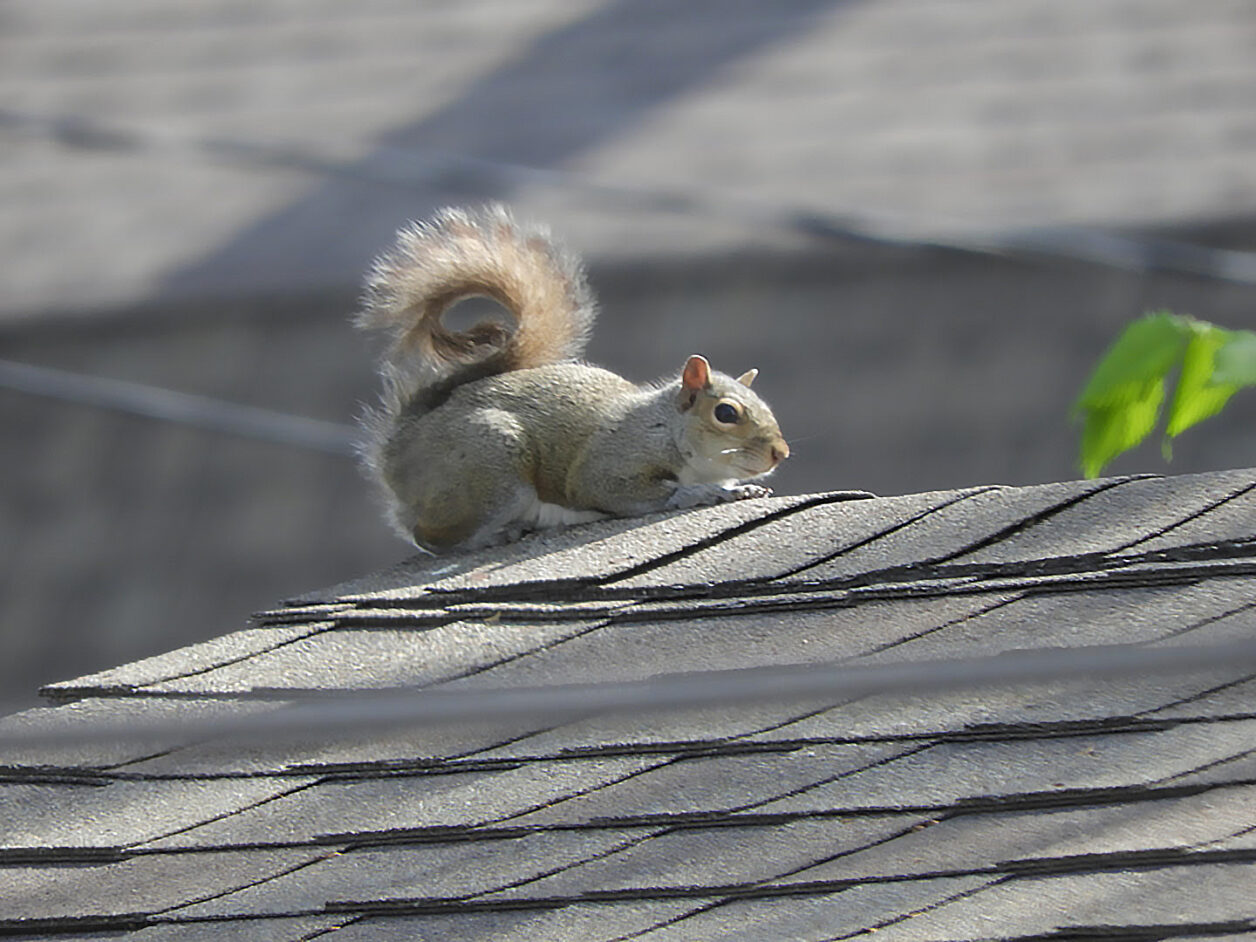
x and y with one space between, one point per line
328 712
187 409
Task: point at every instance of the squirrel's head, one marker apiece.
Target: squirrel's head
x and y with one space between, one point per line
731 434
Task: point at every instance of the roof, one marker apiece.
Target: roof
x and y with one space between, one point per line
1066 802
213 148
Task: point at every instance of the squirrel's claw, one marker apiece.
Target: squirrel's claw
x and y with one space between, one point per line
747 491
700 495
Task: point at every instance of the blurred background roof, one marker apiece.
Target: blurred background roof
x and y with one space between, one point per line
192 191
225 148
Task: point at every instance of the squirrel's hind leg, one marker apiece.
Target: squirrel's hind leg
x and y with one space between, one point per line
452 518
523 512
450 496
543 516
472 497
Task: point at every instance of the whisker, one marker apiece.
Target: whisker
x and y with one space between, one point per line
803 438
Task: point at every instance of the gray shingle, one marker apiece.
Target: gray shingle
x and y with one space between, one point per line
1078 619
629 546
1126 897
343 752
1118 518
348 659
982 841
720 856
792 541
818 917
151 884
962 519
639 643
255 930
950 773
594 923
189 661
1071 704
361 809
1215 700
450 870
126 813
1228 517
719 785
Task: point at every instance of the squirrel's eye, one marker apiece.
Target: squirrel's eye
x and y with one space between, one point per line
726 413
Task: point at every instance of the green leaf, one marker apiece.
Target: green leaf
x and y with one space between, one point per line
1146 350
1236 360
1117 427
1122 399
1197 396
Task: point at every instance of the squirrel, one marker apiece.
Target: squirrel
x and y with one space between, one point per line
485 434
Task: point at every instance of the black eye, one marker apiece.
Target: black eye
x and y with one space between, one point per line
726 414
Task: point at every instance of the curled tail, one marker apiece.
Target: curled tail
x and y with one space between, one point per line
461 254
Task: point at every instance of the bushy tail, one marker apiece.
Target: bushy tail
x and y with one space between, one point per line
461 254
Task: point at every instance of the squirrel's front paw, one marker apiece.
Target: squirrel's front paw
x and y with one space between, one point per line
698 495
745 491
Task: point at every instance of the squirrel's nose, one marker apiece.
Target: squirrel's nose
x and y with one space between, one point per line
780 451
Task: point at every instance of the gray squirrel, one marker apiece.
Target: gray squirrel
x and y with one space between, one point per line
485 434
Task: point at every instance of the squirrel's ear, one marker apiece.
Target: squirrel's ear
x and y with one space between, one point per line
696 375
747 377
